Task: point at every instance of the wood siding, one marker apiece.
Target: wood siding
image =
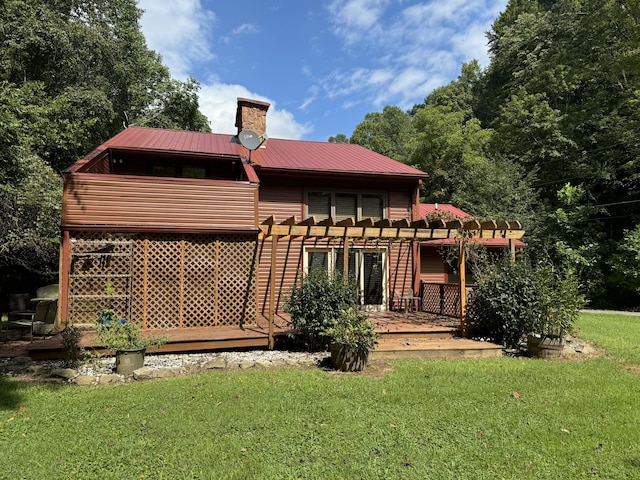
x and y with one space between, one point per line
282 202
432 267
399 204
158 203
287 201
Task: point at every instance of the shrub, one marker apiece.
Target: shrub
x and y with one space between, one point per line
317 302
352 329
504 306
514 298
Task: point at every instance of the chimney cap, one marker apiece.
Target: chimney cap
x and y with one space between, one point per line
249 101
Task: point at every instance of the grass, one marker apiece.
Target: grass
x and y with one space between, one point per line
618 334
508 418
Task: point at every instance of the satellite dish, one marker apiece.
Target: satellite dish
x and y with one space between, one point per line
249 139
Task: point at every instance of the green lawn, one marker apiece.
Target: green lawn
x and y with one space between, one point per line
508 418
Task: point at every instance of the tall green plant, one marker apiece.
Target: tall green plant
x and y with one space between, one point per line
317 302
515 298
504 306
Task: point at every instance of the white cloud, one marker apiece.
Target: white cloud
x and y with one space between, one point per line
178 30
353 19
218 101
245 28
419 47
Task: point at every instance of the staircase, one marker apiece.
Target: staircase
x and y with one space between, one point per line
400 340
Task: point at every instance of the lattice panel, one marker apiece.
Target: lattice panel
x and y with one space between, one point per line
236 280
173 280
442 299
95 261
163 281
199 283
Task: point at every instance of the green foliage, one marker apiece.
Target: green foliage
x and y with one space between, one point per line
504 305
317 302
388 132
353 329
126 335
71 347
513 299
68 72
559 301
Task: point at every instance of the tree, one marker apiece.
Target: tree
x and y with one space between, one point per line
339 138
389 133
69 70
462 169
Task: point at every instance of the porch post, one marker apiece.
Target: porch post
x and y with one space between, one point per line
63 305
345 262
463 287
272 289
415 246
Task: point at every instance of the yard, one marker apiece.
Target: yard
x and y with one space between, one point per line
505 418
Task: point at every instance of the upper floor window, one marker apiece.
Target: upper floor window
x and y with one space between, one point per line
342 205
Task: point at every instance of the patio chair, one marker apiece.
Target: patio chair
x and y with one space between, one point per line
40 315
48 292
19 307
49 324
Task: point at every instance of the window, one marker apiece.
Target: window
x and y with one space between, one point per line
342 205
319 205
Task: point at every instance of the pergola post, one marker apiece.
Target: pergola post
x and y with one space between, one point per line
272 289
463 287
345 262
512 249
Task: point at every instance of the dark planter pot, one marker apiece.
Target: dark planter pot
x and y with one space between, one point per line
548 346
129 360
348 359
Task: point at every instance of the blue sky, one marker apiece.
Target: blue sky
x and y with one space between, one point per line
322 65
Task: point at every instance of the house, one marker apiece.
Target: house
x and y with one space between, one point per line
192 232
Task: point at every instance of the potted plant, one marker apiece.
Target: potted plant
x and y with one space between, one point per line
559 304
127 341
107 313
351 338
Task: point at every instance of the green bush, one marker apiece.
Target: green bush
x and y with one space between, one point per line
317 302
514 298
504 305
352 329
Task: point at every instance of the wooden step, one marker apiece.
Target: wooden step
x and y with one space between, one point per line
445 349
424 331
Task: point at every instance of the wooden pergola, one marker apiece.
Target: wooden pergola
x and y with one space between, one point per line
349 230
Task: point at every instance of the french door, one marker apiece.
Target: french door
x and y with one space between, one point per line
366 266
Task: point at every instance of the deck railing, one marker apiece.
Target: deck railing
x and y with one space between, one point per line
441 298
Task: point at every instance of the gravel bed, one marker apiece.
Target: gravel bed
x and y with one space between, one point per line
177 362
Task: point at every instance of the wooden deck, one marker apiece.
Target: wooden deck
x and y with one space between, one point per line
412 335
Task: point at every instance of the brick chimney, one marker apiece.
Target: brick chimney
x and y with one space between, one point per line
252 115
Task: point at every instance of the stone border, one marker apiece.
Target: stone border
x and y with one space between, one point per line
101 371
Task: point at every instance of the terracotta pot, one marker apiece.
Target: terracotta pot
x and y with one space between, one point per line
129 360
347 358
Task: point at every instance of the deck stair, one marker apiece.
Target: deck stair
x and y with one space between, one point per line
430 340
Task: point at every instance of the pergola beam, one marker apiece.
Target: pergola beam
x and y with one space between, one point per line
399 230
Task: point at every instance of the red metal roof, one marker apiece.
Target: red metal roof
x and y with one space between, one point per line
426 208
174 140
328 157
294 155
